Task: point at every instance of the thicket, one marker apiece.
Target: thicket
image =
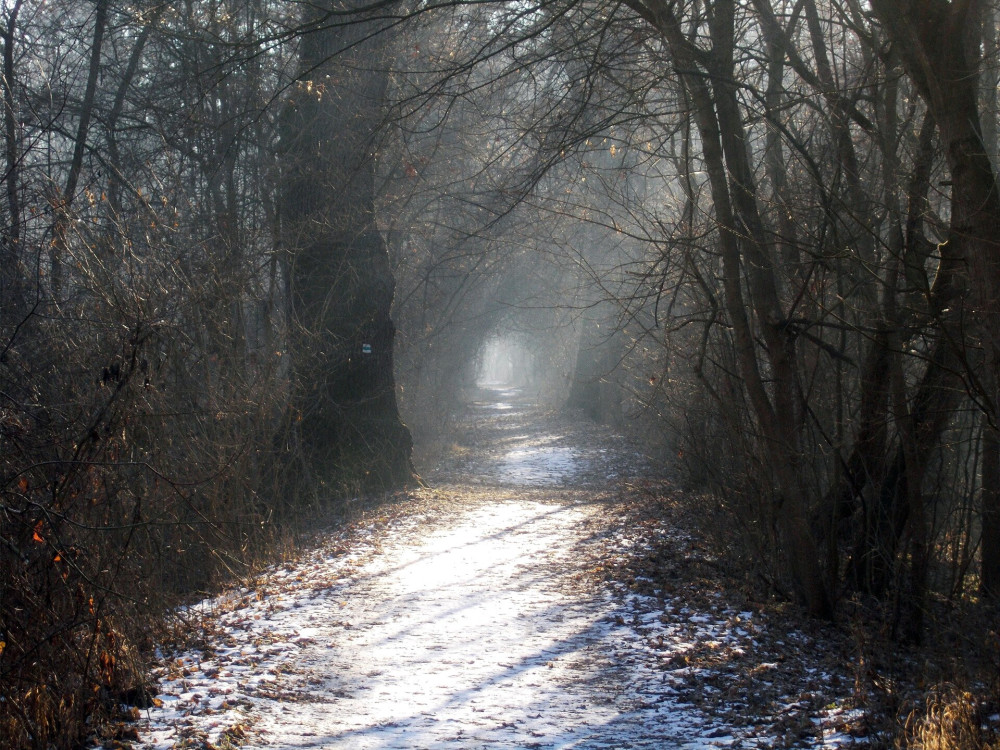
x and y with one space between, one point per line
147 421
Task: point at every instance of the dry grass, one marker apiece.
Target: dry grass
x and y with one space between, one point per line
950 719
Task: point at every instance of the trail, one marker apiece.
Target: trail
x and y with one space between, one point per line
478 614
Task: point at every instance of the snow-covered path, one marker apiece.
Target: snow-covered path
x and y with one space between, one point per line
470 617
469 631
473 636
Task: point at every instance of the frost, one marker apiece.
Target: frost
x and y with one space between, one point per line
464 620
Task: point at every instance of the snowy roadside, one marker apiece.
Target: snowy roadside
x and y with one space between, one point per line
497 616
771 678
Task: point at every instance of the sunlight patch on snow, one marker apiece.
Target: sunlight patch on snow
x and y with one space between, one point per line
466 636
540 465
504 394
472 629
463 642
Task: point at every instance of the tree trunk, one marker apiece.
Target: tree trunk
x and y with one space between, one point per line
12 302
341 279
65 199
744 249
938 42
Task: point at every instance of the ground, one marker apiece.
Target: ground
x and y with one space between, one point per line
541 593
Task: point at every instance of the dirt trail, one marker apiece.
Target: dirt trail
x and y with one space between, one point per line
470 616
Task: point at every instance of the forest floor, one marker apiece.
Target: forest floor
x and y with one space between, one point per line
542 593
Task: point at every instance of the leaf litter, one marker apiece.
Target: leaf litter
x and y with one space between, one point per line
535 598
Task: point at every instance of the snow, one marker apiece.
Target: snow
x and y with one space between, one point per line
540 465
463 625
470 636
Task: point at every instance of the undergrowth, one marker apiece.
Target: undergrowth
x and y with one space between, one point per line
939 691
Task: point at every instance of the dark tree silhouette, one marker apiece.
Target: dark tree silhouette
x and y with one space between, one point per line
341 281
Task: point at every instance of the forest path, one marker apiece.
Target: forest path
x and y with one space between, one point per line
477 614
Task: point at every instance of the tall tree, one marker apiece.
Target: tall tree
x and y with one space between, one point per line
939 43
341 280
